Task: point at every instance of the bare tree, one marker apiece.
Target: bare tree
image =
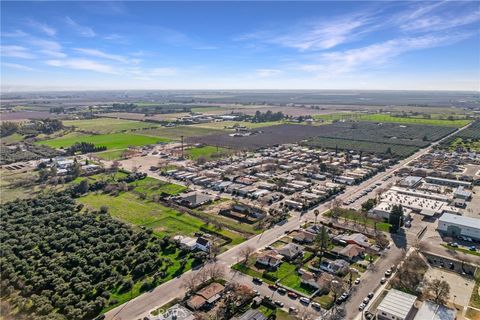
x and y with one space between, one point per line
190 282
439 290
245 253
215 270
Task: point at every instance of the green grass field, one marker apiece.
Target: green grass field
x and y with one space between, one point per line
108 125
111 141
223 124
150 186
111 155
209 152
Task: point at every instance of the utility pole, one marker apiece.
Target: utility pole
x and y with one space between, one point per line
181 137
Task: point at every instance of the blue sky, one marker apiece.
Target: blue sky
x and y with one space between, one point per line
431 45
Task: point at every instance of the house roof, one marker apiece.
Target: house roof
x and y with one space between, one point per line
351 250
196 198
291 249
397 303
211 290
252 315
196 302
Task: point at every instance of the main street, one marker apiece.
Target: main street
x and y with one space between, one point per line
140 306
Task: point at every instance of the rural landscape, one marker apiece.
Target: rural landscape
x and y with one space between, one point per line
211 161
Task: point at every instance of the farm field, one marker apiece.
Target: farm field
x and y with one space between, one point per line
111 141
110 155
108 125
208 152
402 139
175 133
468 138
150 186
223 124
411 120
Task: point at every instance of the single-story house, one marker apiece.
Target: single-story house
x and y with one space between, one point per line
356 238
291 250
194 199
321 282
303 236
270 258
206 297
203 244
337 266
352 252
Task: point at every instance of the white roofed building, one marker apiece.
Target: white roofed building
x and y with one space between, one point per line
396 305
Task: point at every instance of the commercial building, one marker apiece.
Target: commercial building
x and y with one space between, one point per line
396 305
455 225
448 182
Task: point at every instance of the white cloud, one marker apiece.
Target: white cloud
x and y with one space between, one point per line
48 47
84 31
14 34
100 54
82 64
266 73
42 27
17 66
437 23
338 62
16 52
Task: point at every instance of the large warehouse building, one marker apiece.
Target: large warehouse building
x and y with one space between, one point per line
455 225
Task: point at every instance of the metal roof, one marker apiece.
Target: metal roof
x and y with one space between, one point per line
433 311
460 220
397 303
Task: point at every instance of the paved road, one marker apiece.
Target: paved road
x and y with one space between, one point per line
141 305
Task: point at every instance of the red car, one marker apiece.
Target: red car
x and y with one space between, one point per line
273 287
293 295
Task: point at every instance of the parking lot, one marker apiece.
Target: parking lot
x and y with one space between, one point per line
460 287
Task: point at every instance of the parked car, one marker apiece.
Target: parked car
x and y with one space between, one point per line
388 273
453 244
279 303
304 300
256 293
366 300
383 280
361 306
292 295
281 290
273 287
316 305
370 295
257 280
472 248
357 281
292 310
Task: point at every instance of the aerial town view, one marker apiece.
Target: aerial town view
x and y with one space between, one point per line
240 160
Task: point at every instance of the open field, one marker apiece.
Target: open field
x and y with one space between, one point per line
111 155
411 120
143 117
224 124
150 186
208 152
13 138
111 141
468 138
107 125
175 133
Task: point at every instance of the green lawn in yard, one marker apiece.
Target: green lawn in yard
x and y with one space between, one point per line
208 152
111 141
108 125
288 276
150 186
326 301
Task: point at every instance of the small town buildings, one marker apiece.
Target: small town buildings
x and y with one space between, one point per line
203 244
334 267
461 193
270 258
303 236
432 311
396 305
410 181
356 238
191 244
455 225
206 297
291 250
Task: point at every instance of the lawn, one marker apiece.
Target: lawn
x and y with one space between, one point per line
150 186
164 221
111 155
434 122
111 141
108 125
208 152
288 276
466 251
353 215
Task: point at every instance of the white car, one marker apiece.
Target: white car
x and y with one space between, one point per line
316 305
361 306
304 300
